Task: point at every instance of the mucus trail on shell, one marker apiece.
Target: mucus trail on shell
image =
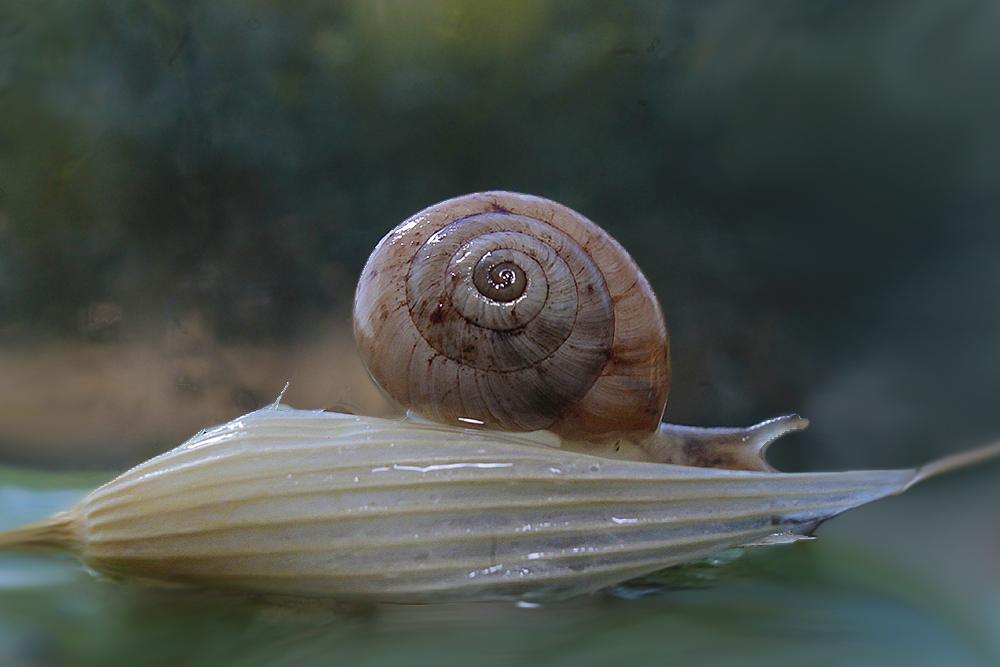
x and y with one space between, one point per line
328 505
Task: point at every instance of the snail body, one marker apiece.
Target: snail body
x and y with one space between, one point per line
531 355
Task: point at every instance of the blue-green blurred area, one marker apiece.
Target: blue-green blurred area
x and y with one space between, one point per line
189 189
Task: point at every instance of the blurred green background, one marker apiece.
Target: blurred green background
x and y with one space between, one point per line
189 189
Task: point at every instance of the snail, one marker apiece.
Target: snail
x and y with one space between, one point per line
515 313
532 358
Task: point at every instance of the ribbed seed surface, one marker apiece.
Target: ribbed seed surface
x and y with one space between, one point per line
323 504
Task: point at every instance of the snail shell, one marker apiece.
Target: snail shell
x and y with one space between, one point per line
515 313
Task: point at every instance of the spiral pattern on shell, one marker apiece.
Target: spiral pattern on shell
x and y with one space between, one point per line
515 313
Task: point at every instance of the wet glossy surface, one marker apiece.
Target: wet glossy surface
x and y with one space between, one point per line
311 503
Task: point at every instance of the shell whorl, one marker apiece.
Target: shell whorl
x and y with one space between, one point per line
513 312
